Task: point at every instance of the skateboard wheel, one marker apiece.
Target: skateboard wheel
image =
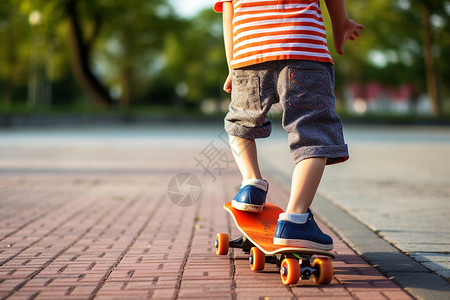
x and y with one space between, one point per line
290 271
257 259
324 270
222 244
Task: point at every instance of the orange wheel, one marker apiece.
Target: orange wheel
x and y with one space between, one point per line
290 271
222 244
324 273
257 259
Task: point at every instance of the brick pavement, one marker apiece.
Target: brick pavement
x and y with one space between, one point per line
93 221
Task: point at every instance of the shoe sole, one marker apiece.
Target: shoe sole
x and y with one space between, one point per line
301 244
247 207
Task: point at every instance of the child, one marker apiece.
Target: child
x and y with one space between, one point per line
277 52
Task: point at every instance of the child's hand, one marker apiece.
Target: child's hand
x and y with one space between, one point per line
227 85
348 31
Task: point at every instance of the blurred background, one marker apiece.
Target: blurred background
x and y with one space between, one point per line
166 57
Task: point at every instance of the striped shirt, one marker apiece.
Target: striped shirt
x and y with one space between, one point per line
276 30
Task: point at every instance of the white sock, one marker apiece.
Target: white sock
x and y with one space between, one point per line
259 183
294 218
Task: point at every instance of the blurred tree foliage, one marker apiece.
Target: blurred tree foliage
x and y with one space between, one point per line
392 49
119 52
141 53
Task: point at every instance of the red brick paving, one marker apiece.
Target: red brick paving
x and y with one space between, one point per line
103 233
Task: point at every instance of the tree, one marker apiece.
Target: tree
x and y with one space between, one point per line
14 53
90 27
194 57
132 45
427 7
82 52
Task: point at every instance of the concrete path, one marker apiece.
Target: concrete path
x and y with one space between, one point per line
89 214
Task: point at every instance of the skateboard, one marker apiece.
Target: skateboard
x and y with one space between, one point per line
257 231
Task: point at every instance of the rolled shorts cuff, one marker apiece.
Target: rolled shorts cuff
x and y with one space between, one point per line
334 154
235 129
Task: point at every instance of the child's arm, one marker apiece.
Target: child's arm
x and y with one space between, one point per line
343 28
228 38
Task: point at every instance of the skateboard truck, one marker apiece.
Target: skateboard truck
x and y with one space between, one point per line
241 243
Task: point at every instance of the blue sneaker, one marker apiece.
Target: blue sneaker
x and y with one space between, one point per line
251 196
307 235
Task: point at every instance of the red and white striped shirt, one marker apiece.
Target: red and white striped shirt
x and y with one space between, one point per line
276 30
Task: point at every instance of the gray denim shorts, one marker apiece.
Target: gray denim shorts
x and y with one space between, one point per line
305 91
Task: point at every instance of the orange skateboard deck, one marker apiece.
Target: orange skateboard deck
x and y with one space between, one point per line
257 239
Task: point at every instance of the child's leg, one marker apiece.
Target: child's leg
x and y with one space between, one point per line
297 227
245 155
253 191
305 181
315 132
254 90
